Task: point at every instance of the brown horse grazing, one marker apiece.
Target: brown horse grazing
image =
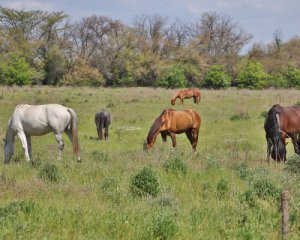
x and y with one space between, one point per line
171 122
281 123
187 93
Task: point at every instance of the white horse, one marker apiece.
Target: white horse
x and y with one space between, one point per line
37 120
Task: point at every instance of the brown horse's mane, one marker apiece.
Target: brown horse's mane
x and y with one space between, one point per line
156 124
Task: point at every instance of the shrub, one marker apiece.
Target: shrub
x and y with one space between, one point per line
175 165
16 71
240 116
83 75
242 170
216 77
292 76
263 114
252 76
10 211
50 173
293 164
173 78
264 189
163 227
145 183
222 187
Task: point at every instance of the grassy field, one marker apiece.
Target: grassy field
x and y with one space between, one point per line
227 190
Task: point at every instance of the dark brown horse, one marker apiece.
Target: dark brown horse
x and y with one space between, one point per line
102 121
281 123
171 122
187 93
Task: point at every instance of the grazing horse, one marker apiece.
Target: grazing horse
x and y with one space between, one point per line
102 120
171 122
187 93
281 123
37 120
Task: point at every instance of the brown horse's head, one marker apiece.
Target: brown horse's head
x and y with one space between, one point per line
276 149
275 144
147 146
173 101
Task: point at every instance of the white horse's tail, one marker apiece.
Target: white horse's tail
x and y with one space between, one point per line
74 133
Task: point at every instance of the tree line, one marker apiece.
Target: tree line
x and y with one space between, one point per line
47 48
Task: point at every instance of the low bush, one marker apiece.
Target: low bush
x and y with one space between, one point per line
50 173
293 164
145 183
175 165
164 227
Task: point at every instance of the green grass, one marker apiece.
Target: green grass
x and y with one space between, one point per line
226 191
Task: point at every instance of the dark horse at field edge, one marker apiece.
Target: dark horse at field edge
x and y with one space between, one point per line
281 123
171 122
102 121
187 93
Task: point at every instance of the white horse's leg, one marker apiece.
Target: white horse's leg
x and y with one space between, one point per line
22 137
60 142
28 138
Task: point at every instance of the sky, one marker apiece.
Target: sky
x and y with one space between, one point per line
261 18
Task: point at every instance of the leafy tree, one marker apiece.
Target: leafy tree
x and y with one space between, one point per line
16 71
216 77
252 76
292 76
173 78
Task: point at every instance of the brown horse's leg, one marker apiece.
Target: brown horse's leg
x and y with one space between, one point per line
195 136
173 137
164 136
295 143
189 135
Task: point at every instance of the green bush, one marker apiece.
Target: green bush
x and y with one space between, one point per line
293 164
50 173
175 165
216 77
265 189
164 227
222 187
145 183
292 76
16 71
173 78
240 116
252 76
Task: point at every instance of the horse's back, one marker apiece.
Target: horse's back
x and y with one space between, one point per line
41 119
184 119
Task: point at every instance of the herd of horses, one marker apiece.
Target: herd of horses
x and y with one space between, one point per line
36 120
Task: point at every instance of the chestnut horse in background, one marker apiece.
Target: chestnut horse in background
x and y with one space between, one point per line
281 123
187 93
171 122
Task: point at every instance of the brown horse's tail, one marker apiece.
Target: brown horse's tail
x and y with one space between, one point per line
74 133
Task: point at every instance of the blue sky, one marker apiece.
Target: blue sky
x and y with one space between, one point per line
261 18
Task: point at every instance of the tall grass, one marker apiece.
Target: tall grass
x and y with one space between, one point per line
227 190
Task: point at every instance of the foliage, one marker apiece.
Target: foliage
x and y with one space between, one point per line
240 116
173 78
50 173
292 76
175 165
222 187
252 76
164 227
82 74
16 71
145 183
264 188
293 164
216 77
